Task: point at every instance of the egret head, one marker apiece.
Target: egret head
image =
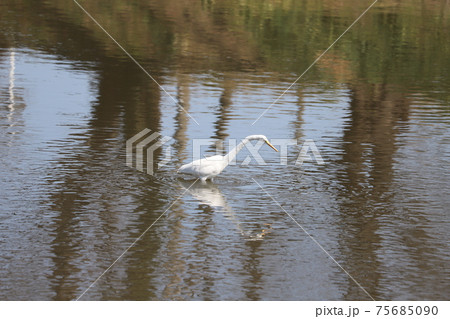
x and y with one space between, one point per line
261 137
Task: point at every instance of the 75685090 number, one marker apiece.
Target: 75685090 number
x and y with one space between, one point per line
407 310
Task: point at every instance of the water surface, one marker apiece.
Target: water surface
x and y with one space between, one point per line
376 105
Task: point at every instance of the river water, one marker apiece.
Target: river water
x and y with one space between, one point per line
371 221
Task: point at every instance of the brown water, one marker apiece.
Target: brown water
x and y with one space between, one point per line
376 105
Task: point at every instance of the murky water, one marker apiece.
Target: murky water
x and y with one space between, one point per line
376 105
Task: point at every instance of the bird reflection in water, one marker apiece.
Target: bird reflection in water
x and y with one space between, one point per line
208 193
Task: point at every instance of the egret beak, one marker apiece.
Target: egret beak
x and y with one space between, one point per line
268 143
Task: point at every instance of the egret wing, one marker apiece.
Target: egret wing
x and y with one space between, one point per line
209 166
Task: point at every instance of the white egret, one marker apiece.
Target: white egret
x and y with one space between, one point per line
209 167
